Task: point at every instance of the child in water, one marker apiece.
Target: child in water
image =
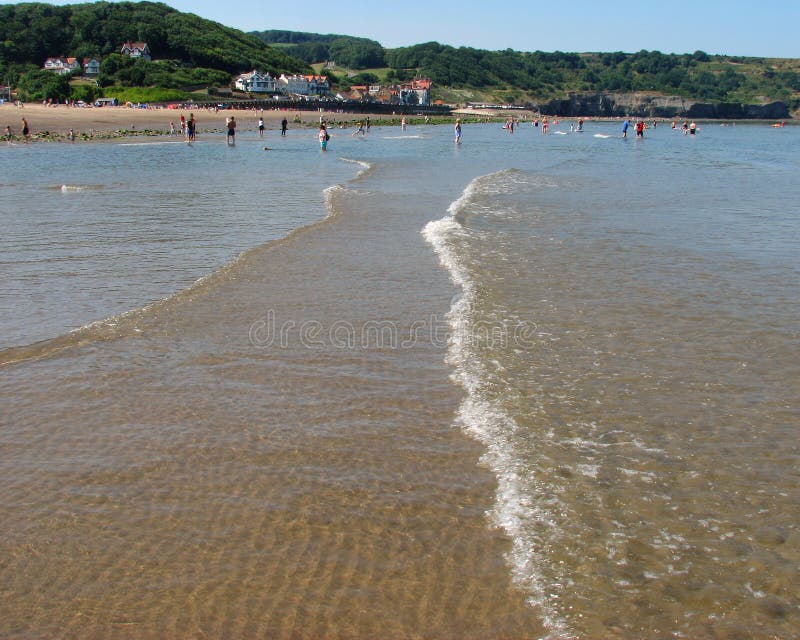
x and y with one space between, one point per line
323 137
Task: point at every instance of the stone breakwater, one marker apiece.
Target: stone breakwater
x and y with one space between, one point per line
658 106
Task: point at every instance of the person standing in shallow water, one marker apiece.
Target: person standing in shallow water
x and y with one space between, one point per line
191 128
232 130
284 126
458 131
323 137
26 132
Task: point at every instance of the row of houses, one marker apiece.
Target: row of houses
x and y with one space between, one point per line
64 65
416 92
294 84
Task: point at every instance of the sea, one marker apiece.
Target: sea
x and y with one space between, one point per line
522 387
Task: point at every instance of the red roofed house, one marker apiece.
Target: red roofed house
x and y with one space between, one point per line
62 65
416 92
303 85
138 50
318 85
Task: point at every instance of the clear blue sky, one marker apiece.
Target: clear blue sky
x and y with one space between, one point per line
755 28
766 28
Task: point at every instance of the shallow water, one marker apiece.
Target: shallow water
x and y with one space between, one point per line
529 386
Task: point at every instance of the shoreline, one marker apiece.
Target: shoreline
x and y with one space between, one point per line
93 124
96 124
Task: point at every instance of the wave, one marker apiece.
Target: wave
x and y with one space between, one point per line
366 166
66 188
150 144
521 508
137 320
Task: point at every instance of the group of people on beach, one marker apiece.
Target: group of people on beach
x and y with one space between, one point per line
188 128
26 132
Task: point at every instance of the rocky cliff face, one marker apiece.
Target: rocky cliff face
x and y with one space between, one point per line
641 105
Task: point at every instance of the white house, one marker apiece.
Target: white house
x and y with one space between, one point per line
303 85
62 65
416 92
138 50
294 83
255 82
91 66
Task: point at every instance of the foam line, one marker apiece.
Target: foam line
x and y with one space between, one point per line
518 505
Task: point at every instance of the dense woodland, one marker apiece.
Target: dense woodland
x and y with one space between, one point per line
541 75
348 51
188 51
191 53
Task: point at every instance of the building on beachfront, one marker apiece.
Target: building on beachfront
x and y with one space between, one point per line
417 92
358 92
318 85
62 65
91 66
303 85
255 82
293 83
138 50
414 93
384 95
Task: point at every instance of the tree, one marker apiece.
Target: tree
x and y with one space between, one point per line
356 54
363 78
86 92
43 85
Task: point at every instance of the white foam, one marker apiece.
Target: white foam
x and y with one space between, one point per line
601 135
589 470
366 166
149 144
521 508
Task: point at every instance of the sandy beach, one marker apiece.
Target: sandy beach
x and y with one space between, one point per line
54 122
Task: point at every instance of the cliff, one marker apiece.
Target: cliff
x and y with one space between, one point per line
641 105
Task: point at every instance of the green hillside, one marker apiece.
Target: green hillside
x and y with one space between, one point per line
190 52
348 51
190 49
516 76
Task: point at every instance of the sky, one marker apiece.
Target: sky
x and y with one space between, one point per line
761 28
